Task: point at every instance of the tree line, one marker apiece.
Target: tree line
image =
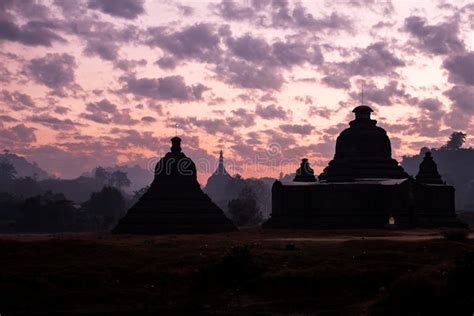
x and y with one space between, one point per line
25 206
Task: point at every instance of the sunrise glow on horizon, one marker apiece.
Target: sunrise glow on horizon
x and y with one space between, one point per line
109 82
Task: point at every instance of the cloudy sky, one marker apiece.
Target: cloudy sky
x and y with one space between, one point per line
105 82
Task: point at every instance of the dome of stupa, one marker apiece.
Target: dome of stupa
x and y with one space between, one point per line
363 138
362 151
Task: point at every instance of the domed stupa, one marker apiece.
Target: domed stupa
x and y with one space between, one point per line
363 151
174 203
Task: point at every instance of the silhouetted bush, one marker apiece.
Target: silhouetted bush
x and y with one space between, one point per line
237 265
455 234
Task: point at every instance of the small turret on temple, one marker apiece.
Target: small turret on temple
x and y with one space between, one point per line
428 172
174 203
304 173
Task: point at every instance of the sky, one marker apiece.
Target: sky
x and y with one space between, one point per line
109 82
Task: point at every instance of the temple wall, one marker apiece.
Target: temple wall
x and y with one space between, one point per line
360 205
435 203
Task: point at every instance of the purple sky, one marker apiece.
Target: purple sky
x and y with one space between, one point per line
104 82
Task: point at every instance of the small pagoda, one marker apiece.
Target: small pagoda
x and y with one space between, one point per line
304 173
428 172
175 203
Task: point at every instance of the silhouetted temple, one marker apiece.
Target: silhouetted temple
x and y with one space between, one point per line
175 203
217 184
362 187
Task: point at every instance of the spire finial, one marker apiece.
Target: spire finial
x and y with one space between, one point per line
362 94
176 125
220 168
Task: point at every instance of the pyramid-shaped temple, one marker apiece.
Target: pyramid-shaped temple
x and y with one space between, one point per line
174 203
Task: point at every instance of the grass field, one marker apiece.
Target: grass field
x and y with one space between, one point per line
252 271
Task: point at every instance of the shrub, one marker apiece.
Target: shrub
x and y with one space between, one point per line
237 264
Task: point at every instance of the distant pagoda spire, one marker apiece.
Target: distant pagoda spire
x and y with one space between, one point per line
221 167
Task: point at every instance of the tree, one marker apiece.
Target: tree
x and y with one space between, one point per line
108 205
244 210
116 179
263 194
7 170
25 187
119 179
456 140
9 206
101 175
47 213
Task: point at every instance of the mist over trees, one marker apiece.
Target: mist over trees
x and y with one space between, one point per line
233 187
29 205
12 184
96 200
23 167
138 176
456 166
108 205
244 210
7 171
47 213
116 178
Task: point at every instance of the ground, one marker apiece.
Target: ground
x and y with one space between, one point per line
252 271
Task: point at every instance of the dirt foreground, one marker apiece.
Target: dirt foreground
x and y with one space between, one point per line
253 271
